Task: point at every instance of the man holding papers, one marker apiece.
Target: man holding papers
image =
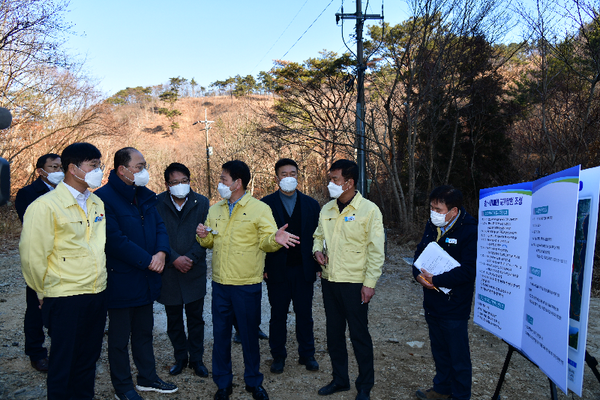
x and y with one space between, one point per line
447 315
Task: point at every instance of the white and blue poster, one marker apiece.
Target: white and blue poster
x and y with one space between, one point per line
581 274
547 297
503 248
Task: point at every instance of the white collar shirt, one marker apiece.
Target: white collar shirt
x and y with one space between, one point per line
81 198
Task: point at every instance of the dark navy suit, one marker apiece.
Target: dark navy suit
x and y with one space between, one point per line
134 233
33 322
291 274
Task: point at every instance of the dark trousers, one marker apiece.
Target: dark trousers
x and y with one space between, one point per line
450 350
342 303
76 325
243 302
295 288
192 346
136 322
33 326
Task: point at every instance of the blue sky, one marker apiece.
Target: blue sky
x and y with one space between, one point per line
143 43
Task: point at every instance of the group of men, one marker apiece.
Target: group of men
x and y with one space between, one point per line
115 251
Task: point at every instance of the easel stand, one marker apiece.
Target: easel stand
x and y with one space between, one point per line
511 350
590 361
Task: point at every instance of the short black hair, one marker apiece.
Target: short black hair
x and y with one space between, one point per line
447 194
348 167
77 153
283 162
176 167
41 162
238 170
123 156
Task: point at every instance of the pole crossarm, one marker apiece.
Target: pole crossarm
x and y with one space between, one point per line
355 16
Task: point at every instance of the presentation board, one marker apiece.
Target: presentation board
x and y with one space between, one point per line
581 277
548 290
503 248
532 287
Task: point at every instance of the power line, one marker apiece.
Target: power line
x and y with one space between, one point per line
319 16
286 28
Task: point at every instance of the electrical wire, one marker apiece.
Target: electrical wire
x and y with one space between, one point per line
319 16
286 28
343 38
382 33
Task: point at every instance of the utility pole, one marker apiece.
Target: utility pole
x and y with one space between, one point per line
360 100
209 150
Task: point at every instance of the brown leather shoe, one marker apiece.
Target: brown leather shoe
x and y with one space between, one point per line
430 394
41 365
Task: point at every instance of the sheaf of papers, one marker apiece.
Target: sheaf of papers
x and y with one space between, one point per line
436 261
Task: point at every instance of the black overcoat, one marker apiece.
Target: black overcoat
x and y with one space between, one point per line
179 288
275 262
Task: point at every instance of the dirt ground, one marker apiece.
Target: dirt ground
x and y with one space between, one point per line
403 360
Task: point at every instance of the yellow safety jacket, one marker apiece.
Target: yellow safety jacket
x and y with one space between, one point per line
353 241
62 249
241 242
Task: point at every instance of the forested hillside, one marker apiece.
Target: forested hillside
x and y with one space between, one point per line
447 101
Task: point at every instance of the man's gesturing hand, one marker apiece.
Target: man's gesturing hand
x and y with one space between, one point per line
286 239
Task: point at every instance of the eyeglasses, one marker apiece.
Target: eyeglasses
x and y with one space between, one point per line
139 167
94 165
184 181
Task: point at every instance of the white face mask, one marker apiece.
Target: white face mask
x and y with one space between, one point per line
139 178
224 191
438 219
55 177
180 191
288 184
92 178
335 191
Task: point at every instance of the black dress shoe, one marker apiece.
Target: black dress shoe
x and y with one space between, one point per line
40 365
277 365
262 335
363 395
178 367
333 388
199 368
310 362
258 392
223 394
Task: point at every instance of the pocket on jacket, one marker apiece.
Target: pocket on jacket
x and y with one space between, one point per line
70 264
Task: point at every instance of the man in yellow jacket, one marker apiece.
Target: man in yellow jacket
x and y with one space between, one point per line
62 259
239 229
349 245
